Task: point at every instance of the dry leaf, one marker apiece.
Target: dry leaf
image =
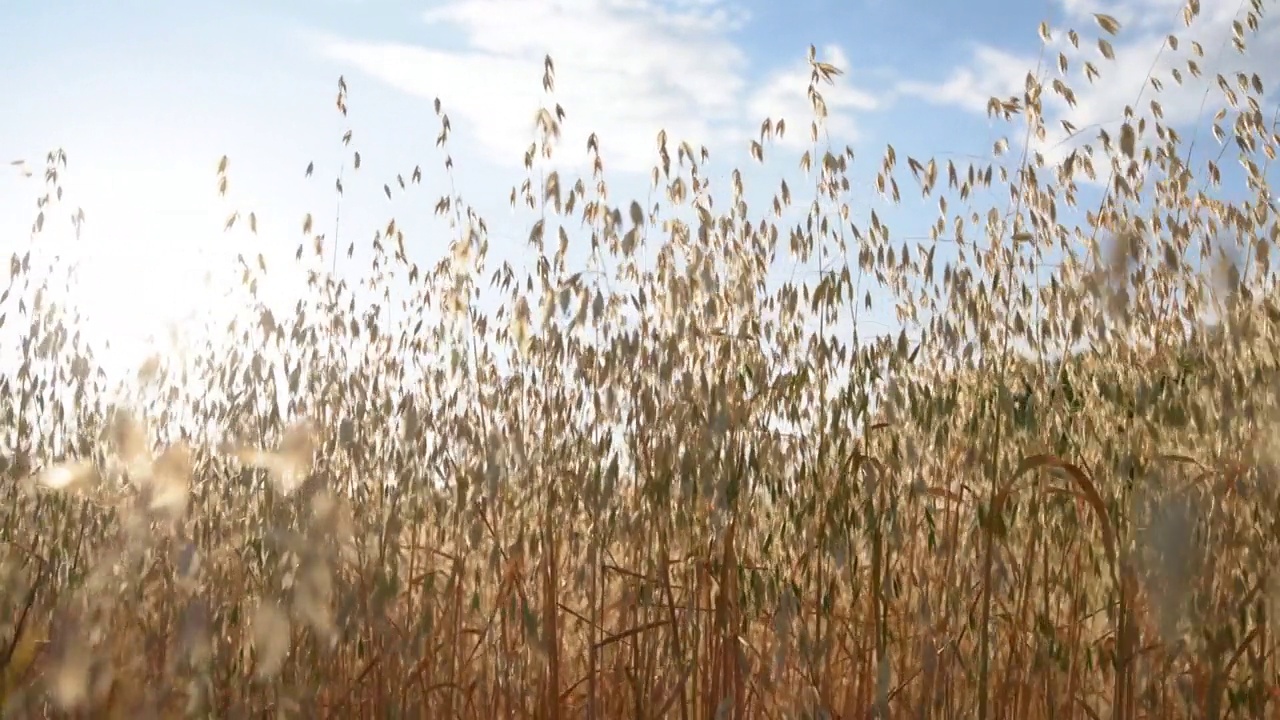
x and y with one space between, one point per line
271 639
69 475
168 487
1107 23
290 464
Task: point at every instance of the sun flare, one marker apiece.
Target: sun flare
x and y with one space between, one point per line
151 270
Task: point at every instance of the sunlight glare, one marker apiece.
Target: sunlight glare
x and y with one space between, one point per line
155 273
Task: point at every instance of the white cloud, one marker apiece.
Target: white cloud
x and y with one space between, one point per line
784 96
624 69
991 72
1132 14
1141 51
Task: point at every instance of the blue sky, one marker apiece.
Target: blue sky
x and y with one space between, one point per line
146 97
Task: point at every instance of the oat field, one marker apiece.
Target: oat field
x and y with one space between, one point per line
661 485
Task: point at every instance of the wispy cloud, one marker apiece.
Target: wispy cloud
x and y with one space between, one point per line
1142 53
783 95
990 72
625 69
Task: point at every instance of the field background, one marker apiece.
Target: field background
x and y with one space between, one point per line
655 466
